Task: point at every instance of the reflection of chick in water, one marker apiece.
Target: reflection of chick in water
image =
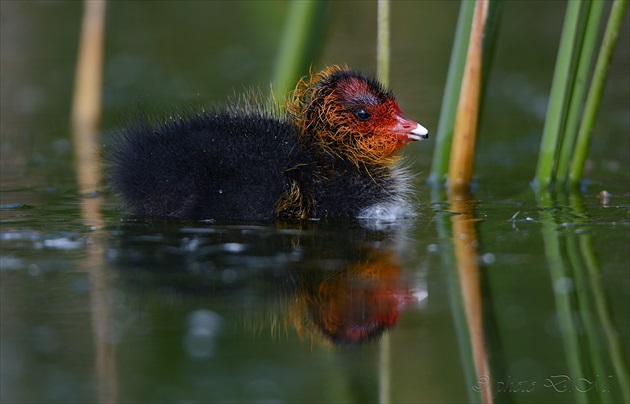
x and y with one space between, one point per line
353 305
334 283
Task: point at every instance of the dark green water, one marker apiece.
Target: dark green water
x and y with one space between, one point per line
129 310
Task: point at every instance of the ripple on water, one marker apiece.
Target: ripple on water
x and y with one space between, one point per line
38 240
10 206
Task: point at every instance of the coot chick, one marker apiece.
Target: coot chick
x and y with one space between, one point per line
331 154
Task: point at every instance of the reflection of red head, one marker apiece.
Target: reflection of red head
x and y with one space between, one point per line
360 304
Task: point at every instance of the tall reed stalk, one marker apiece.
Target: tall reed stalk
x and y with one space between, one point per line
461 103
86 102
382 71
592 18
559 94
561 155
465 133
382 42
301 40
596 90
446 124
85 119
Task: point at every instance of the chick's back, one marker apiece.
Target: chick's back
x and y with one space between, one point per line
222 165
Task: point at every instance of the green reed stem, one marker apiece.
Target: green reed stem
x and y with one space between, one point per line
382 70
446 125
592 16
489 43
596 90
300 42
552 131
382 42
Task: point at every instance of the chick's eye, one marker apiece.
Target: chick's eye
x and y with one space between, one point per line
362 114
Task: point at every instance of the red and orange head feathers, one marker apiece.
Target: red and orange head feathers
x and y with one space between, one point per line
352 115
